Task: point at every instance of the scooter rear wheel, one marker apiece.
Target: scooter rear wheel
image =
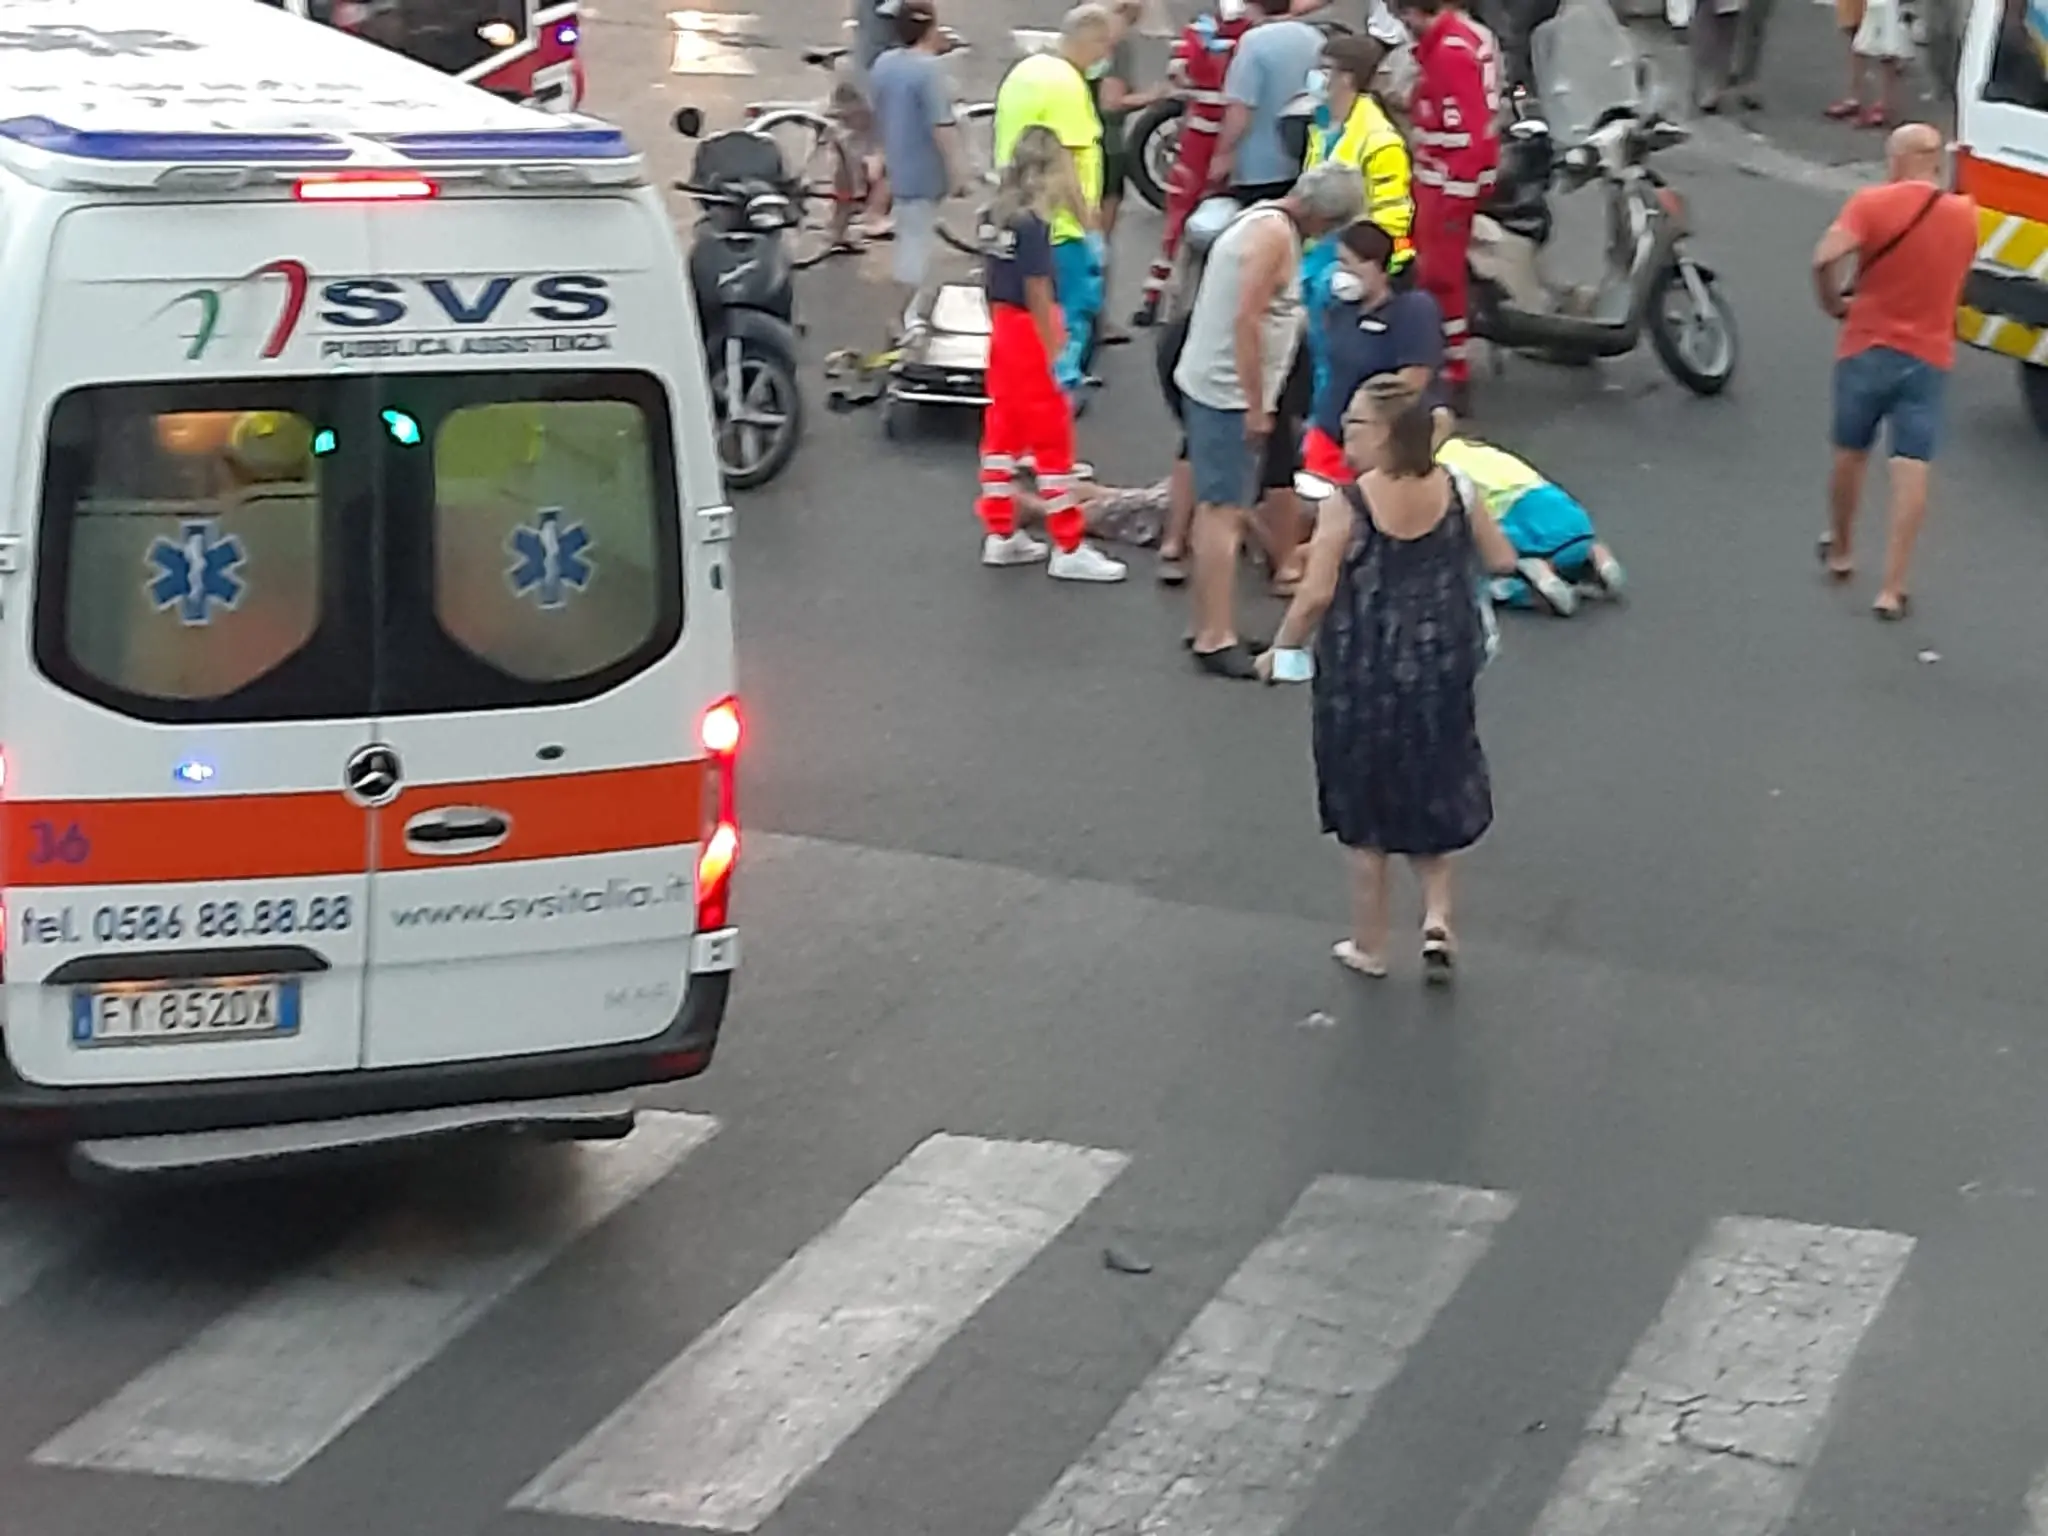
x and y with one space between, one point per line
757 401
1151 141
1698 346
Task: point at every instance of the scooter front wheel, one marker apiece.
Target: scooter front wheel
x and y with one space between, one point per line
1692 327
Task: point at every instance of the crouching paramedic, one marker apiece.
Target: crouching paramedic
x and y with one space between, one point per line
1051 91
1028 416
1370 329
1455 112
1201 62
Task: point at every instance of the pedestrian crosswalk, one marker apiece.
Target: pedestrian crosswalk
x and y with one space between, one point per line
1713 1422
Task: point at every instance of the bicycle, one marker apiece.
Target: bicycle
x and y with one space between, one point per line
828 160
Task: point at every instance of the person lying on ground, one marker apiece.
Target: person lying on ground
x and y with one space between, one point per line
1559 556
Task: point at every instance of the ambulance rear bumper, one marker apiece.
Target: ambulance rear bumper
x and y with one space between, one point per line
520 1092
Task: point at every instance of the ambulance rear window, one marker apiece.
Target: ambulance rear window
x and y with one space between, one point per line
174 499
347 547
545 514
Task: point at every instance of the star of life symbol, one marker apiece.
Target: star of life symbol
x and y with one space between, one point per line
196 572
550 558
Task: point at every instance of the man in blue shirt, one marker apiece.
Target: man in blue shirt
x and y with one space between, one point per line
1373 329
913 105
1268 73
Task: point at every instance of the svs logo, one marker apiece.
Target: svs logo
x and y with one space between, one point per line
435 314
371 303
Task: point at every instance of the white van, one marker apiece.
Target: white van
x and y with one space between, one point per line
367 732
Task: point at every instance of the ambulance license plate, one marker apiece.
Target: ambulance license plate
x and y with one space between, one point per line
197 1010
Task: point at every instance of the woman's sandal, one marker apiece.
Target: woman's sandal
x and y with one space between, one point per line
1352 958
1823 551
1845 109
1439 957
1892 612
1232 661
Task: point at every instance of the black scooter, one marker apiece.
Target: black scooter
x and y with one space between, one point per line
742 280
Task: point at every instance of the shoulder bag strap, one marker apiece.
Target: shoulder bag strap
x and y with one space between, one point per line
1865 264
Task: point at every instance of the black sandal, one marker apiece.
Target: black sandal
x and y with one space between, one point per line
1232 661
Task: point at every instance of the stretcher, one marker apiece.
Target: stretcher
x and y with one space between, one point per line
944 360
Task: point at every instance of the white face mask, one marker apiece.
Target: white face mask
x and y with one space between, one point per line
1346 286
1319 84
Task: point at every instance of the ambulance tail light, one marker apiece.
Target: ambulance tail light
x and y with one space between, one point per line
3 867
720 732
365 187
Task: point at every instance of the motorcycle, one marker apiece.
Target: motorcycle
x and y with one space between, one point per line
1595 88
743 282
1152 136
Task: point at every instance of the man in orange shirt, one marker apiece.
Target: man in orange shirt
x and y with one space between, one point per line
1914 243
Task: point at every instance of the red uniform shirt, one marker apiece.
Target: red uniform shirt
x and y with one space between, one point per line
1456 108
1201 60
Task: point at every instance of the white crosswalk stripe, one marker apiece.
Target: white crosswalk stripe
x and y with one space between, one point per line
1712 1424
1293 1350
1717 1415
261 1392
776 1386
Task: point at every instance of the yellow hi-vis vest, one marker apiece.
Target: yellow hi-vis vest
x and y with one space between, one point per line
1371 143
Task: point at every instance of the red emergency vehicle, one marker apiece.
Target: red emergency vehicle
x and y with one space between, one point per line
523 49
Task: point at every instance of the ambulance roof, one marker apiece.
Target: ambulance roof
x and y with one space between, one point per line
239 82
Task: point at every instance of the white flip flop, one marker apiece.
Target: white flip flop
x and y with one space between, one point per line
1352 958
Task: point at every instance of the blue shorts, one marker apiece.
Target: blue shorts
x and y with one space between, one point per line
1225 466
1883 385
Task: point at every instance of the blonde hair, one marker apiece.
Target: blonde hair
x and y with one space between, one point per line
1039 179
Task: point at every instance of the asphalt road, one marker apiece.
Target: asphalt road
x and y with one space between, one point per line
1052 1180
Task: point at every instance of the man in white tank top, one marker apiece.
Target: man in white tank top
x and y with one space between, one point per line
1243 329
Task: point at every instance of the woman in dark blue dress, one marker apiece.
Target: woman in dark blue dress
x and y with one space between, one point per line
1392 594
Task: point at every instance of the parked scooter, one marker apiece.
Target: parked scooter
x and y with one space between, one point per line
743 280
1653 281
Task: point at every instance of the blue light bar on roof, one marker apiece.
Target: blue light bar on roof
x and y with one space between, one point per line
513 144
127 144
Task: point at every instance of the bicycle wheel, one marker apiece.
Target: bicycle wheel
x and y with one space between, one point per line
818 161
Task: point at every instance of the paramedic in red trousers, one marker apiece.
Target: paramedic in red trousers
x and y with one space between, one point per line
1455 118
1028 416
1201 60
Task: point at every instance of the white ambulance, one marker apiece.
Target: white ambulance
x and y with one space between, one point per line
367 731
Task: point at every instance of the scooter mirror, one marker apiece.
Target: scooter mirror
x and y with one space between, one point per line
1313 487
689 122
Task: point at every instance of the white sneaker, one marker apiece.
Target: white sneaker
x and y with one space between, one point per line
1087 563
1018 549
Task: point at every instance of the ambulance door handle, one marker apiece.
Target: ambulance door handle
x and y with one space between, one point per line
454 830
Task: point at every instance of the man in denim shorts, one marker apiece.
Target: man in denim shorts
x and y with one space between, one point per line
1914 243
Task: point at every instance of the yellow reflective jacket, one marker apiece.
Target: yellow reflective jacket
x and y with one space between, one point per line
1370 142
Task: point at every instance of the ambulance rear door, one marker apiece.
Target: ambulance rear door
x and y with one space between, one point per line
185 662
540 675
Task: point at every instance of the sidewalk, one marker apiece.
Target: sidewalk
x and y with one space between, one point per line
1805 68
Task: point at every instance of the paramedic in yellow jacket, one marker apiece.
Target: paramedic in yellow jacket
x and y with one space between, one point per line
1353 128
